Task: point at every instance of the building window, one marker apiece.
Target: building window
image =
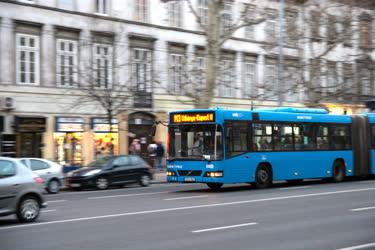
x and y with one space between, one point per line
175 14
227 15
141 10
66 65
176 72
293 91
102 7
250 16
348 79
315 17
141 70
227 79
332 77
270 81
291 28
66 4
271 26
102 65
250 79
27 54
365 80
203 12
365 34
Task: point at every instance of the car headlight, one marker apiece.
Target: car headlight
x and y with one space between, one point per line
214 174
69 174
92 172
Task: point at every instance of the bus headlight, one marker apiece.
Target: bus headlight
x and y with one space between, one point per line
214 174
171 173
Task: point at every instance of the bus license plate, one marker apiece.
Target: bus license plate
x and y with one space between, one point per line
189 179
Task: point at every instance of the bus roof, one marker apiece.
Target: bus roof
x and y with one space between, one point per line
284 114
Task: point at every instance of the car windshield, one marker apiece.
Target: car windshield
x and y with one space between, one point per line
100 162
196 142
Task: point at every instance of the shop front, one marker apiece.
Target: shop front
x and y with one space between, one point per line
68 137
29 136
106 139
141 127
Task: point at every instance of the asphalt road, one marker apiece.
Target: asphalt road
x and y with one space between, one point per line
313 215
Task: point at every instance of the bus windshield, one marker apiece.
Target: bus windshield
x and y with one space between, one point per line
196 142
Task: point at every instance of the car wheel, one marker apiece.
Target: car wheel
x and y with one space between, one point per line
53 187
102 183
263 177
28 209
215 186
145 180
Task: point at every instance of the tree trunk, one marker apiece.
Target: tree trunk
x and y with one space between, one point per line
212 52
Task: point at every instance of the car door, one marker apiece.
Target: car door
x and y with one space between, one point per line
120 170
9 186
41 168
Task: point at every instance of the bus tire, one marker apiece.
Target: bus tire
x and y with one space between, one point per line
338 171
263 177
214 186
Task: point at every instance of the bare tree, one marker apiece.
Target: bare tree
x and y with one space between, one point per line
323 40
200 77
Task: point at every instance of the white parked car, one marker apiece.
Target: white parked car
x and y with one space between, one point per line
50 171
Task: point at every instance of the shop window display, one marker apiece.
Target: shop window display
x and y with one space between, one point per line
106 144
68 148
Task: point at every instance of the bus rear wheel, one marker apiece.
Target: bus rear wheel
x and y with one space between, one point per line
215 186
338 171
263 177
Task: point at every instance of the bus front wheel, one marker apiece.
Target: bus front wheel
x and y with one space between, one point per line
338 171
215 186
263 177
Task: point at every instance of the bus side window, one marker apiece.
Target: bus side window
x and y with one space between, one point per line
322 137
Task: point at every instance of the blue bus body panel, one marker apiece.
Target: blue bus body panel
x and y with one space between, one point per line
285 165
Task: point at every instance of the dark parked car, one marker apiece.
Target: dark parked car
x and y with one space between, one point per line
111 171
20 190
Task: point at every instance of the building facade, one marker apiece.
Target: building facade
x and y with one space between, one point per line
52 49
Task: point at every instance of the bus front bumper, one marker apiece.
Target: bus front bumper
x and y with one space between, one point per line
193 179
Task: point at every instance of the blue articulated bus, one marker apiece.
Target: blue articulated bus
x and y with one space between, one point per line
220 146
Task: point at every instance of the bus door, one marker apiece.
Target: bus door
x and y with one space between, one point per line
237 146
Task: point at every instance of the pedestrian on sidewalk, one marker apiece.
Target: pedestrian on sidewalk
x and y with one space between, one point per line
159 156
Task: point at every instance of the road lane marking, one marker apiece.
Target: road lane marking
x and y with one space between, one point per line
291 188
56 201
362 209
47 211
225 227
189 207
364 246
126 195
186 197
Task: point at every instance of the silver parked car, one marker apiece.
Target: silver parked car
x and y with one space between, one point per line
50 171
20 190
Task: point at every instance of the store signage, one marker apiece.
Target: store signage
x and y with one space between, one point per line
101 125
30 124
193 117
69 124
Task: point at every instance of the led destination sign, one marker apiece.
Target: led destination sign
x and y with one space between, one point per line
195 117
